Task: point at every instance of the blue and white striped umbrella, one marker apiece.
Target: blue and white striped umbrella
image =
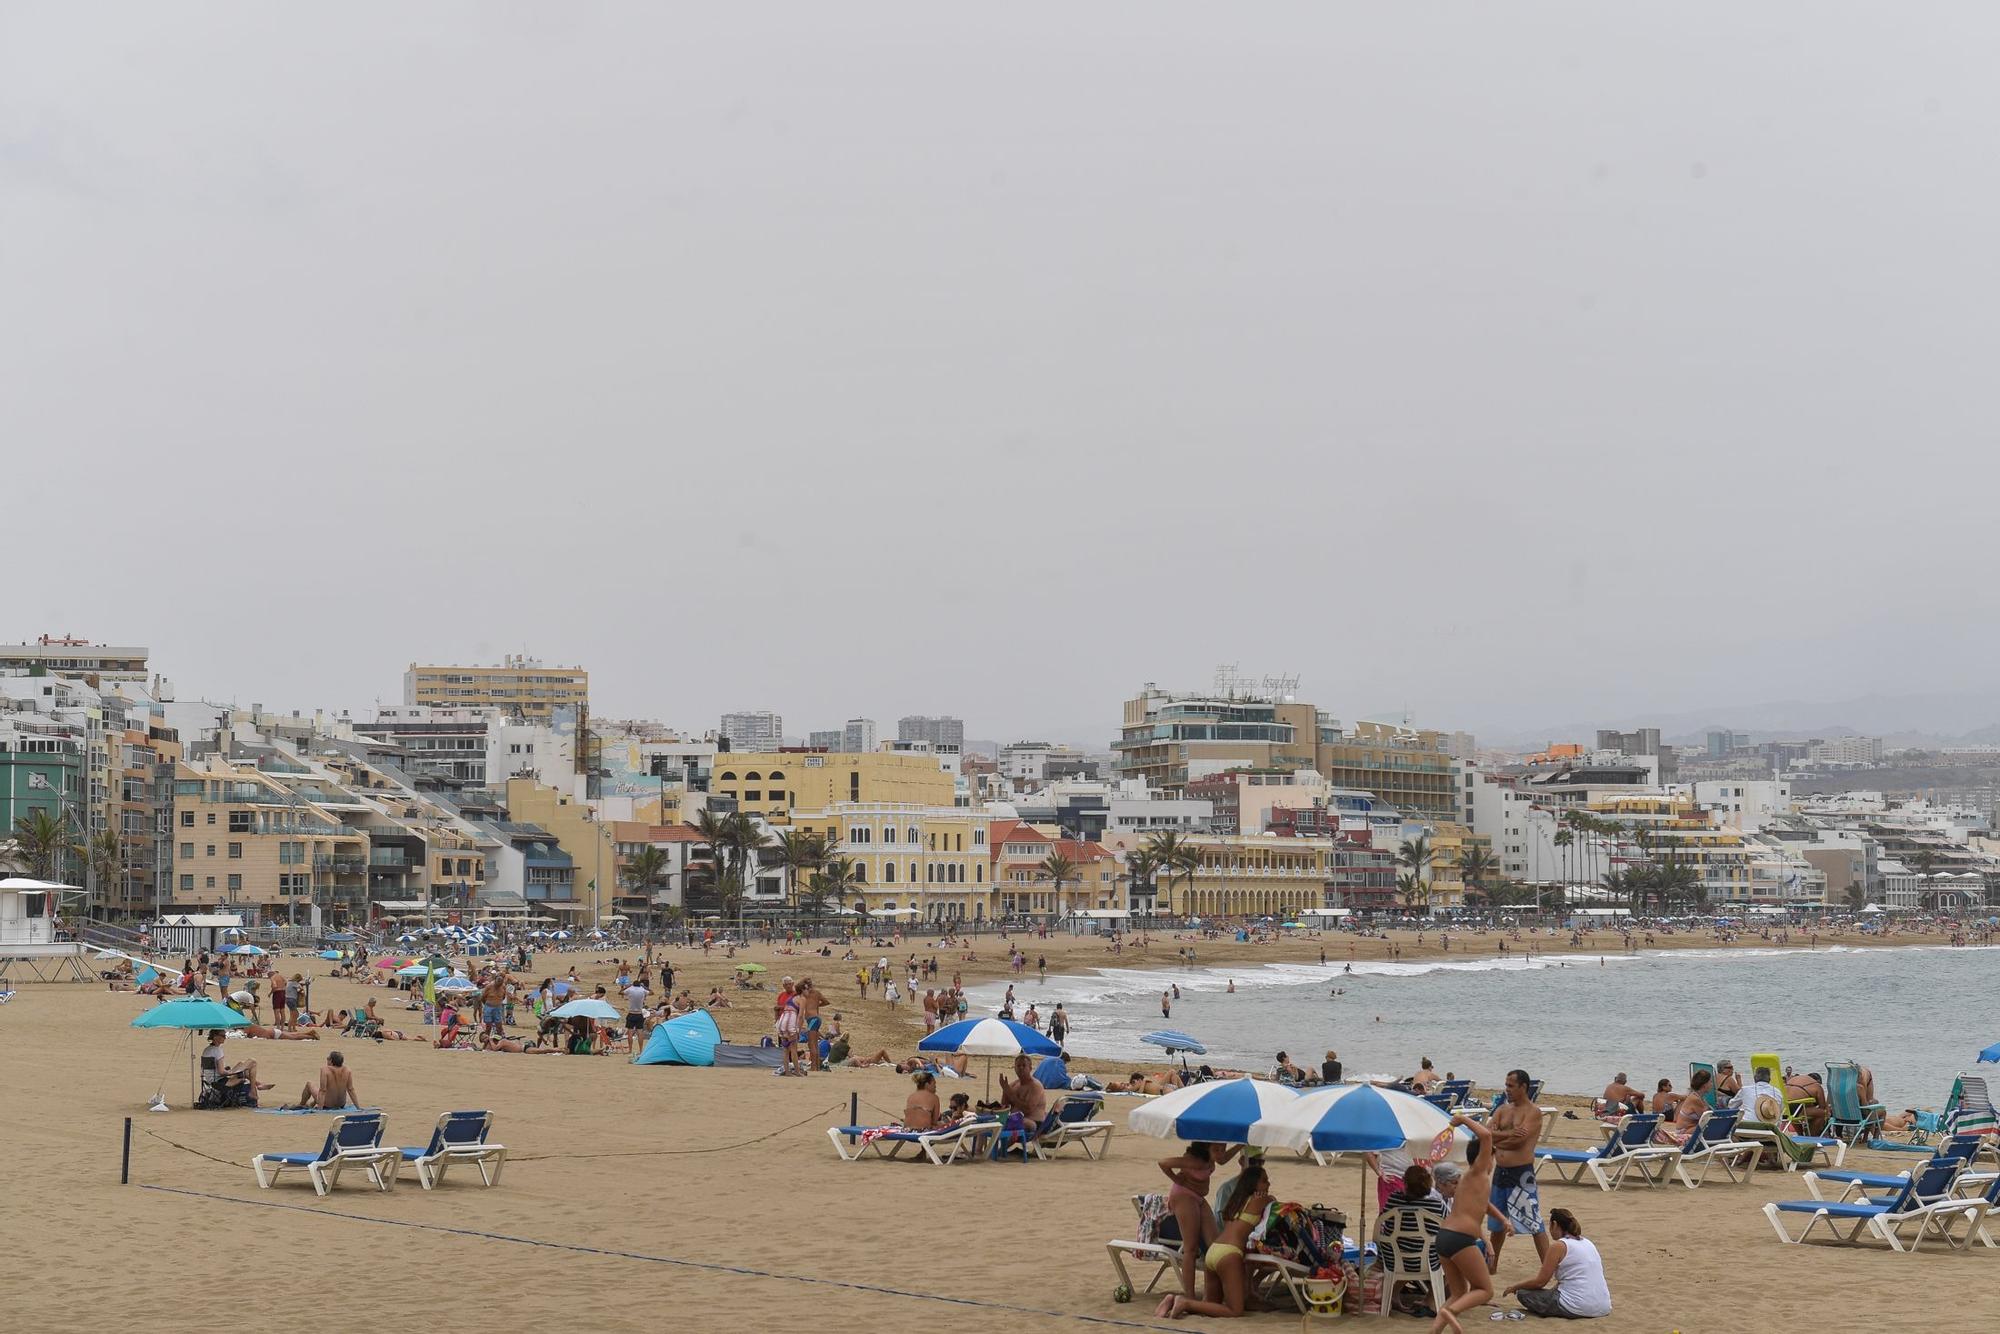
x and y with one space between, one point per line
458 984
1355 1118
989 1037
1174 1041
1221 1112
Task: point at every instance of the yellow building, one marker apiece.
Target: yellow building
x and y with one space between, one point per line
1248 875
591 843
1410 770
242 840
774 784
1681 832
520 687
1449 844
907 855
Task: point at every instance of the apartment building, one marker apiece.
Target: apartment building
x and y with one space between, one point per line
774 784
64 656
245 843
1167 740
941 730
930 858
1021 854
1248 875
519 687
759 731
588 842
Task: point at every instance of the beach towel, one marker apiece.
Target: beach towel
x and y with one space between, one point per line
1152 1210
312 1111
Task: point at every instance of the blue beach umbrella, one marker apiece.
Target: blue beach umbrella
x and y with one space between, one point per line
1354 1118
458 984
1221 1112
1174 1041
329 954
416 970
1991 1054
242 949
192 1012
989 1037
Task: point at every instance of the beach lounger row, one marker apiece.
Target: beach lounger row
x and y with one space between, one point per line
356 1141
1630 1147
1074 1122
1930 1200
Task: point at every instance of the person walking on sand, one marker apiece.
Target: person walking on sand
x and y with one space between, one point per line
1458 1238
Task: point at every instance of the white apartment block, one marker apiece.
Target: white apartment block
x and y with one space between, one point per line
1846 750
761 731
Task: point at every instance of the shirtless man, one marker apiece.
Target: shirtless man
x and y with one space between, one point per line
336 1086
493 1002
1805 1087
1517 1128
1620 1097
810 999
1025 1094
1421 1081
487 1042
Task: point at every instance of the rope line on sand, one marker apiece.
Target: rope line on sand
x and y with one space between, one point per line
708 1266
545 1157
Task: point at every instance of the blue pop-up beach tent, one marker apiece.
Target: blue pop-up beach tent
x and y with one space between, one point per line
688 1039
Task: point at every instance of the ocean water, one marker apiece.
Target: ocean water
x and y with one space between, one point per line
1916 1015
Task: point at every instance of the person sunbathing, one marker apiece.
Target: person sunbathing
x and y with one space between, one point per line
716 1000
1163 1082
281 1034
487 1042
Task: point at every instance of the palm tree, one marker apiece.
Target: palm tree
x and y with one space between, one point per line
107 862
747 839
829 883
645 869
799 850
717 830
1857 896
1679 884
48 841
1412 891
1179 857
1416 854
1477 867
1563 840
1924 862
1059 869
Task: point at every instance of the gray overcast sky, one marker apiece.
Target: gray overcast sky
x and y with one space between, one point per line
1511 362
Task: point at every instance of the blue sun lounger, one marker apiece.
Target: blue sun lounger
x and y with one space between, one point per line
354 1141
1622 1148
1714 1141
460 1137
1852 1183
1884 1216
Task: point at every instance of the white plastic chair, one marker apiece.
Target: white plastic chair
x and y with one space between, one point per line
1406 1252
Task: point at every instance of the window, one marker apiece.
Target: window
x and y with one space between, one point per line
187 819
211 882
777 774
187 851
860 875
236 852
211 817
235 883
753 795
889 834
211 850
979 838
187 882
728 778
753 777
889 873
914 837
776 794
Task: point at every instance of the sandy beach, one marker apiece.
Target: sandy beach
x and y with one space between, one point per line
664 1197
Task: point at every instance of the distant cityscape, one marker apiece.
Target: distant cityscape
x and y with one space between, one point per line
494 792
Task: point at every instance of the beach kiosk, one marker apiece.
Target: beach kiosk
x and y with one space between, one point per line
28 943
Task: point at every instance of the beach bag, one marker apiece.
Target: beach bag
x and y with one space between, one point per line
1363 1291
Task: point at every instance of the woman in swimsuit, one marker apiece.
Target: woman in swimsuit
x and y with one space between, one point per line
1228 1284
1187 1200
1686 1112
1458 1239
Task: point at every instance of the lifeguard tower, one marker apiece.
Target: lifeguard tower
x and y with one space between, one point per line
28 942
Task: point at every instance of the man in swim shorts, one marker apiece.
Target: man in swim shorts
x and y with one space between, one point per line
1517 1128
